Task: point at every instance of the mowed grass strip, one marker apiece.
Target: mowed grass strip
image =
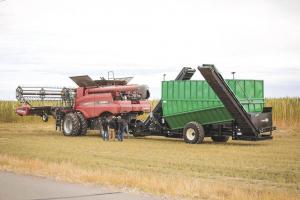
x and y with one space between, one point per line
236 170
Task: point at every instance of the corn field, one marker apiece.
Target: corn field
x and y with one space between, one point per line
286 111
7 111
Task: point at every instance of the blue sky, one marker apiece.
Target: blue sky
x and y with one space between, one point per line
43 42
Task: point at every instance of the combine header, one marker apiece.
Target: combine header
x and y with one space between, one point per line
188 109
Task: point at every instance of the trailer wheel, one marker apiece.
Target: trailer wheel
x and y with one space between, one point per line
193 133
45 118
83 124
71 125
221 138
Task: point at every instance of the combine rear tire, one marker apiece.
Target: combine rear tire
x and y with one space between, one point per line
83 124
71 125
193 133
221 138
137 129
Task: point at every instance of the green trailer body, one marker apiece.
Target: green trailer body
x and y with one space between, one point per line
195 100
213 107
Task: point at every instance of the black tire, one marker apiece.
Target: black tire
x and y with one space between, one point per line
71 125
193 133
45 118
137 129
138 135
221 138
83 124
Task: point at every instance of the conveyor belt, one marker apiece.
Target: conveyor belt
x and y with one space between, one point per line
228 98
185 74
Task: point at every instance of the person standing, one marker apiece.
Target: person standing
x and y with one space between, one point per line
105 129
117 127
112 127
126 129
100 127
120 129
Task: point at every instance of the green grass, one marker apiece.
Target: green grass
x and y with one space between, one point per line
158 165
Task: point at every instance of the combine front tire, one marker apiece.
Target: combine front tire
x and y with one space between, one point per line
221 138
193 133
71 125
83 124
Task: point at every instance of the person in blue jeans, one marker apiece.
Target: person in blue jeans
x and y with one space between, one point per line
120 129
104 123
125 128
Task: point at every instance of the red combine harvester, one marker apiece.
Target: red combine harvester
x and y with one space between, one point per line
82 108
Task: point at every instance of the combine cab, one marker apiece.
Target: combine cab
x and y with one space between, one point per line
82 108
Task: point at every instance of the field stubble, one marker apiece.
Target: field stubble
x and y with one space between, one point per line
236 170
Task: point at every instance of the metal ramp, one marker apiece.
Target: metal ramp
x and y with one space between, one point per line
230 101
185 74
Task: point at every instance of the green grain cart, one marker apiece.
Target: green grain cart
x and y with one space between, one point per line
216 108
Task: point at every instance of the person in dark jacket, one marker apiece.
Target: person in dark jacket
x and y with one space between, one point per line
100 127
104 123
116 119
121 128
112 128
126 128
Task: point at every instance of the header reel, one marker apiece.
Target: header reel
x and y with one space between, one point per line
27 94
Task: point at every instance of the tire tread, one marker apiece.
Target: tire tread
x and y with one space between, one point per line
83 124
221 138
75 123
199 131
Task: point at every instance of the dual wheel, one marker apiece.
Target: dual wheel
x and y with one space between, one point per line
193 133
74 124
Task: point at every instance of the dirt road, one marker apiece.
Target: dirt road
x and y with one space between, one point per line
21 187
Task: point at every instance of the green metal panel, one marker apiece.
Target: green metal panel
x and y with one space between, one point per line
186 101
